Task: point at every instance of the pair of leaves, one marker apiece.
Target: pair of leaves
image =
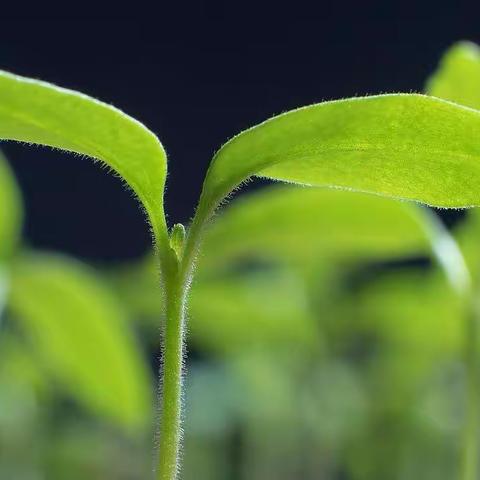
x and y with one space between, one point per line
404 146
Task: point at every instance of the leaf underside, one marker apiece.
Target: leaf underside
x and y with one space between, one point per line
40 113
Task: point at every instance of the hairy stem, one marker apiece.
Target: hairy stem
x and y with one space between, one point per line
177 276
171 414
470 446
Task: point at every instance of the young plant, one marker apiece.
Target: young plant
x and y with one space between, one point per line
405 146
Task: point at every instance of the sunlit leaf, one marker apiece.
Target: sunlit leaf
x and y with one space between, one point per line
404 146
458 76
79 332
40 113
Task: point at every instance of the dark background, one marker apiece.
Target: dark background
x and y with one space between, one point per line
196 76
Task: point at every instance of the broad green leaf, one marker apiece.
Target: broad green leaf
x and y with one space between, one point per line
79 332
40 113
11 211
458 77
401 145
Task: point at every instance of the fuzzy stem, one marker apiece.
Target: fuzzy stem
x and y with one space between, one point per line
173 349
178 270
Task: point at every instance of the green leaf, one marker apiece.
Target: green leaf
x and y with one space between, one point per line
467 235
404 309
292 223
263 311
40 113
79 331
404 145
458 76
458 79
11 210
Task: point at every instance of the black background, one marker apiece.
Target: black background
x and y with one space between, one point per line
196 76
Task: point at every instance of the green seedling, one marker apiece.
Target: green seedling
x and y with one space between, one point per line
404 146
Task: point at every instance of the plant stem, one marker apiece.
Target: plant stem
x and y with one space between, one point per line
178 270
171 414
470 446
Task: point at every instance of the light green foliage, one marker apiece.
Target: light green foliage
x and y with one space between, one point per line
406 307
468 238
11 216
405 146
268 311
37 112
320 228
458 76
265 310
458 79
78 330
293 223
11 211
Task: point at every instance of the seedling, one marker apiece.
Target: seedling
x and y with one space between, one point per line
405 146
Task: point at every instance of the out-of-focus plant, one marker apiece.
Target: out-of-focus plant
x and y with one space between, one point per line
458 80
404 146
59 321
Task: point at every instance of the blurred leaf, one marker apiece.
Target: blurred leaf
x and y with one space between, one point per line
79 331
458 77
337 407
294 223
18 363
268 311
11 216
40 113
229 314
78 451
213 395
406 308
136 285
467 234
404 146
11 211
